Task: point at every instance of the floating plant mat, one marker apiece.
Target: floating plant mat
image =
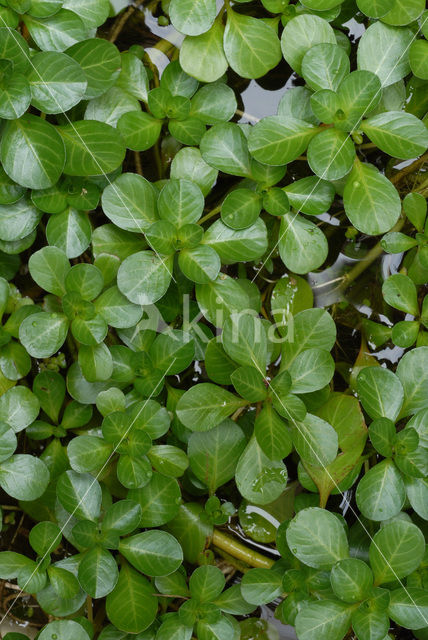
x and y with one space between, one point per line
213 343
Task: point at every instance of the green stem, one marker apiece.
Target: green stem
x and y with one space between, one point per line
371 256
210 214
240 551
240 566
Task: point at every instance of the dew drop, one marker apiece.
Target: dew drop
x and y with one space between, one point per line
356 184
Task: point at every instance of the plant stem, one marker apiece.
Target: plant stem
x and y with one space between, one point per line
236 564
244 114
210 214
372 255
122 20
240 551
409 169
89 609
138 166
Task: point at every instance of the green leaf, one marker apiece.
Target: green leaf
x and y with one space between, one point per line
205 405
48 267
315 440
70 231
396 550
408 607
172 351
214 454
203 56
237 245
200 264
369 622
15 48
139 130
15 97
249 383
371 201
296 103
417 494
159 500
32 152
324 66
317 538
380 392
130 202
49 388
88 453
123 516
272 434
57 32
404 12
400 292
302 245
43 335
418 59
93 12
245 341
291 294
251 46
259 479
18 220
384 51
172 629
92 148
382 435
261 586
373 8
300 34
116 310
325 620
96 362
224 147
401 135
181 202
189 165
206 583
80 494
214 104
240 208
111 106
131 606
192 18
98 572
312 328
155 553
144 277
218 299
100 61
351 580
64 629
19 407
57 82
381 493
331 154
358 95
44 8
24 477
412 371
133 77
278 140
311 370
169 460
